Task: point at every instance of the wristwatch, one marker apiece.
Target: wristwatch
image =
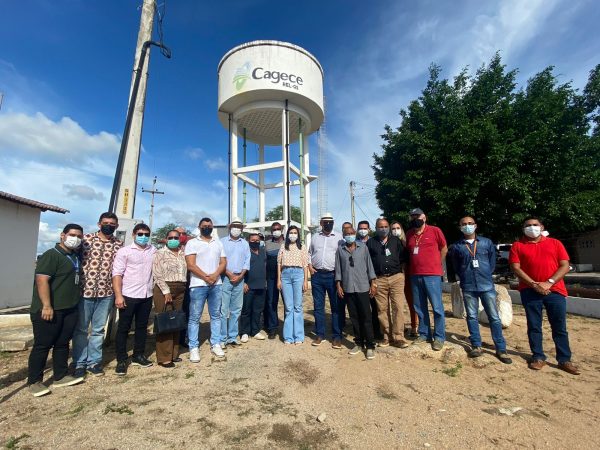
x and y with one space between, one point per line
551 281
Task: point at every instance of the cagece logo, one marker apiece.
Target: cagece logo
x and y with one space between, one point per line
243 73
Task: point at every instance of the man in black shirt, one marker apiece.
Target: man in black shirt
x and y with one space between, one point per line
387 254
272 246
255 282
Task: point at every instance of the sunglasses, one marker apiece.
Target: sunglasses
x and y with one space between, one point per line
143 234
173 238
351 259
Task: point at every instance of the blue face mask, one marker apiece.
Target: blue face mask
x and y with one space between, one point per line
142 240
350 239
468 229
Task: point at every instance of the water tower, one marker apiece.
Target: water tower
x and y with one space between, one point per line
270 93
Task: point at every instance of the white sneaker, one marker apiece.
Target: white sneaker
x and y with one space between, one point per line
194 355
217 351
244 338
260 336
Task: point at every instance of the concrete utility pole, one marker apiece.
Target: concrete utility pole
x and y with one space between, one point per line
352 184
152 192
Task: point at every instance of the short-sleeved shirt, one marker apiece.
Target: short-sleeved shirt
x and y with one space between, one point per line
272 248
61 267
97 260
540 260
237 252
208 256
388 257
428 259
256 277
355 276
294 257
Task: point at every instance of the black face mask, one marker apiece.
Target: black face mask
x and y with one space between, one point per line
206 232
416 223
107 230
254 245
327 227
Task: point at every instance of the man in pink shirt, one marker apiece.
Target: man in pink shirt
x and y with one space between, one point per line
132 283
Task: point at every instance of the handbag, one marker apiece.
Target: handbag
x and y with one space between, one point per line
169 321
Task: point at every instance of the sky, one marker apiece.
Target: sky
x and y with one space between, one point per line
65 75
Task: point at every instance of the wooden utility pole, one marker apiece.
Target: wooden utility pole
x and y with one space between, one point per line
352 184
152 192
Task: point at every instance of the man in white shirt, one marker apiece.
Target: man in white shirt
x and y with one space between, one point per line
206 262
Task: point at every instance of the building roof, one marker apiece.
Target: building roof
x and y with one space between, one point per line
32 203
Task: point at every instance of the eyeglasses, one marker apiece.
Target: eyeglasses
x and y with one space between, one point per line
351 259
142 234
173 238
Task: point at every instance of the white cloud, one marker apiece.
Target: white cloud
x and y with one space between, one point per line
83 192
216 163
194 153
48 236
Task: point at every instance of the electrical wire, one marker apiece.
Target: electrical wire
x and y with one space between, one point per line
160 14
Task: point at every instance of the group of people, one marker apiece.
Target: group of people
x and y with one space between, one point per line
371 273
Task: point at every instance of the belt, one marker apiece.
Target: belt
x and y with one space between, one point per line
387 275
324 271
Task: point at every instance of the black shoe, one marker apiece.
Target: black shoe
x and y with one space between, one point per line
168 365
475 352
121 369
140 360
235 343
79 372
177 360
503 357
96 370
272 335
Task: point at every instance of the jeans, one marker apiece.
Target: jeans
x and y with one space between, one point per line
54 334
324 282
271 319
198 296
556 310
292 279
254 304
87 351
488 300
359 307
232 299
140 309
429 287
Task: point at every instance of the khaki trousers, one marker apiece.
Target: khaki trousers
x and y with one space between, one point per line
390 306
167 344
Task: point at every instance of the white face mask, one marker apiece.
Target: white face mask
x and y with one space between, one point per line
363 232
235 232
397 232
293 237
72 242
532 231
277 234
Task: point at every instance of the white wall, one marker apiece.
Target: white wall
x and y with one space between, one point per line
19 227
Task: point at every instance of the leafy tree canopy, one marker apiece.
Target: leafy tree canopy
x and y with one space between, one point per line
277 214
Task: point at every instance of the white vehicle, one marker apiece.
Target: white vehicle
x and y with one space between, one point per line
502 250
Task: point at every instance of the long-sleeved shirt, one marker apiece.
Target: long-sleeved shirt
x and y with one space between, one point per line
237 252
322 251
134 264
474 276
168 266
256 277
354 269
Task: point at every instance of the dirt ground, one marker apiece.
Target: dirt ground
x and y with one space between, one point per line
268 395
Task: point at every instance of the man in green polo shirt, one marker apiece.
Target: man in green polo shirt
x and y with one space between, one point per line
54 310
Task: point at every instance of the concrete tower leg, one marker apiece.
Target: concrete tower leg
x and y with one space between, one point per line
234 166
261 184
286 169
307 215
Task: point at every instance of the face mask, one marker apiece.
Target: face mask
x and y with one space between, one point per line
254 245
327 227
183 238
235 232
277 234
532 231
173 243
206 232
363 233
468 229
397 232
72 242
107 230
350 239
383 232
416 223
293 237
142 240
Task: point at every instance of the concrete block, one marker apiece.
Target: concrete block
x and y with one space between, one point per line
15 320
15 339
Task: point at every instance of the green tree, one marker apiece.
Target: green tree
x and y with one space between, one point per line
479 146
277 213
160 234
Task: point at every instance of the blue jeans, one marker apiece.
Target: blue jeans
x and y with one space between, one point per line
270 313
556 310
292 279
488 300
429 287
198 296
232 300
324 282
87 351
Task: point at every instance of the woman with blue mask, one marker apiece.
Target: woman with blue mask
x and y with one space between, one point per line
169 271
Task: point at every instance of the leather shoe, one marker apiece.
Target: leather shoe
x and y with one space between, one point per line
177 360
337 343
318 341
168 365
569 367
503 357
537 364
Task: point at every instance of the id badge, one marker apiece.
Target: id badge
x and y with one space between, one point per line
77 279
387 252
475 263
416 251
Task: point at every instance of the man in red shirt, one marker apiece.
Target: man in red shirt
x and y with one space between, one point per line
427 249
541 263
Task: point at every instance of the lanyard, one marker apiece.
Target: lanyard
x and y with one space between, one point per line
75 262
474 252
418 237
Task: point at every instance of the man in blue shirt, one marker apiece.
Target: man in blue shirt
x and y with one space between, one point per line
237 252
474 260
